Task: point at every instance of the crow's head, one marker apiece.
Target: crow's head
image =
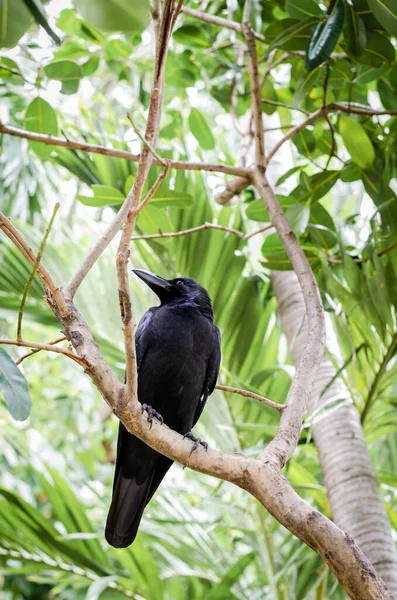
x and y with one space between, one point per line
181 289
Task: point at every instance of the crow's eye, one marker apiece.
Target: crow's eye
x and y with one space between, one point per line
180 283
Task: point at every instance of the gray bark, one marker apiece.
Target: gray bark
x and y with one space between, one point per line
349 478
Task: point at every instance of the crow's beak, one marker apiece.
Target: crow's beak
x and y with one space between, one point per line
156 283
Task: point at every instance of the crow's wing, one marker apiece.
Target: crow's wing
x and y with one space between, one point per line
211 375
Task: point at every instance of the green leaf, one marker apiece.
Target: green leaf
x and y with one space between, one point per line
295 37
256 210
367 73
7 66
14 387
103 196
200 129
71 24
357 142
269 93
315 187
222 590
300 9
276 257
354 32
305 142
115 15
298 217
387 93
90 66
386 13
151 220
321 226
378 50
66 71
15 19
96 588
325 37
40 117
287 175
170 198
38 13
192 36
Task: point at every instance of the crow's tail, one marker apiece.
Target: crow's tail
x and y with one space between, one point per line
125 513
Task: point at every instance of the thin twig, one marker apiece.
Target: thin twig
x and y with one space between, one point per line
153 189
247 394
22 358
34 269
48 347
248 236
224 23
318 113
339 261
180 165
203 227
145 142
289 106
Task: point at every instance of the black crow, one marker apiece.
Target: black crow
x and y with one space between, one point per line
178 356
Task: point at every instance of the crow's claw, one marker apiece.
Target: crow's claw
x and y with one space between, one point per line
197 442
152 413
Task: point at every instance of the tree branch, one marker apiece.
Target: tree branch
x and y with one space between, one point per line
255 93
203 227
167 22
48 347
247 394
224 23
282 447
233 188
180 165
22 358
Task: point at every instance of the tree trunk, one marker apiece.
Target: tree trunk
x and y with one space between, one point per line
353 492
352 488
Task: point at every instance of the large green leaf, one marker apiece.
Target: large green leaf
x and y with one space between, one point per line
192 35
200 129
103 196
354 31
171 198
14 387
325 36
300 9
295 37
377 51
357 142
115 15
15 19
66 71
386 13
40 117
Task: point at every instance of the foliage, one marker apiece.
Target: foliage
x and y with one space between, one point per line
201 538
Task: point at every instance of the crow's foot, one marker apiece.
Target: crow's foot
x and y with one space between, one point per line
197 442
152 413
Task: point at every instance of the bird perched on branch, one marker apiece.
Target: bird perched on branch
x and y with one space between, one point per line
178 356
